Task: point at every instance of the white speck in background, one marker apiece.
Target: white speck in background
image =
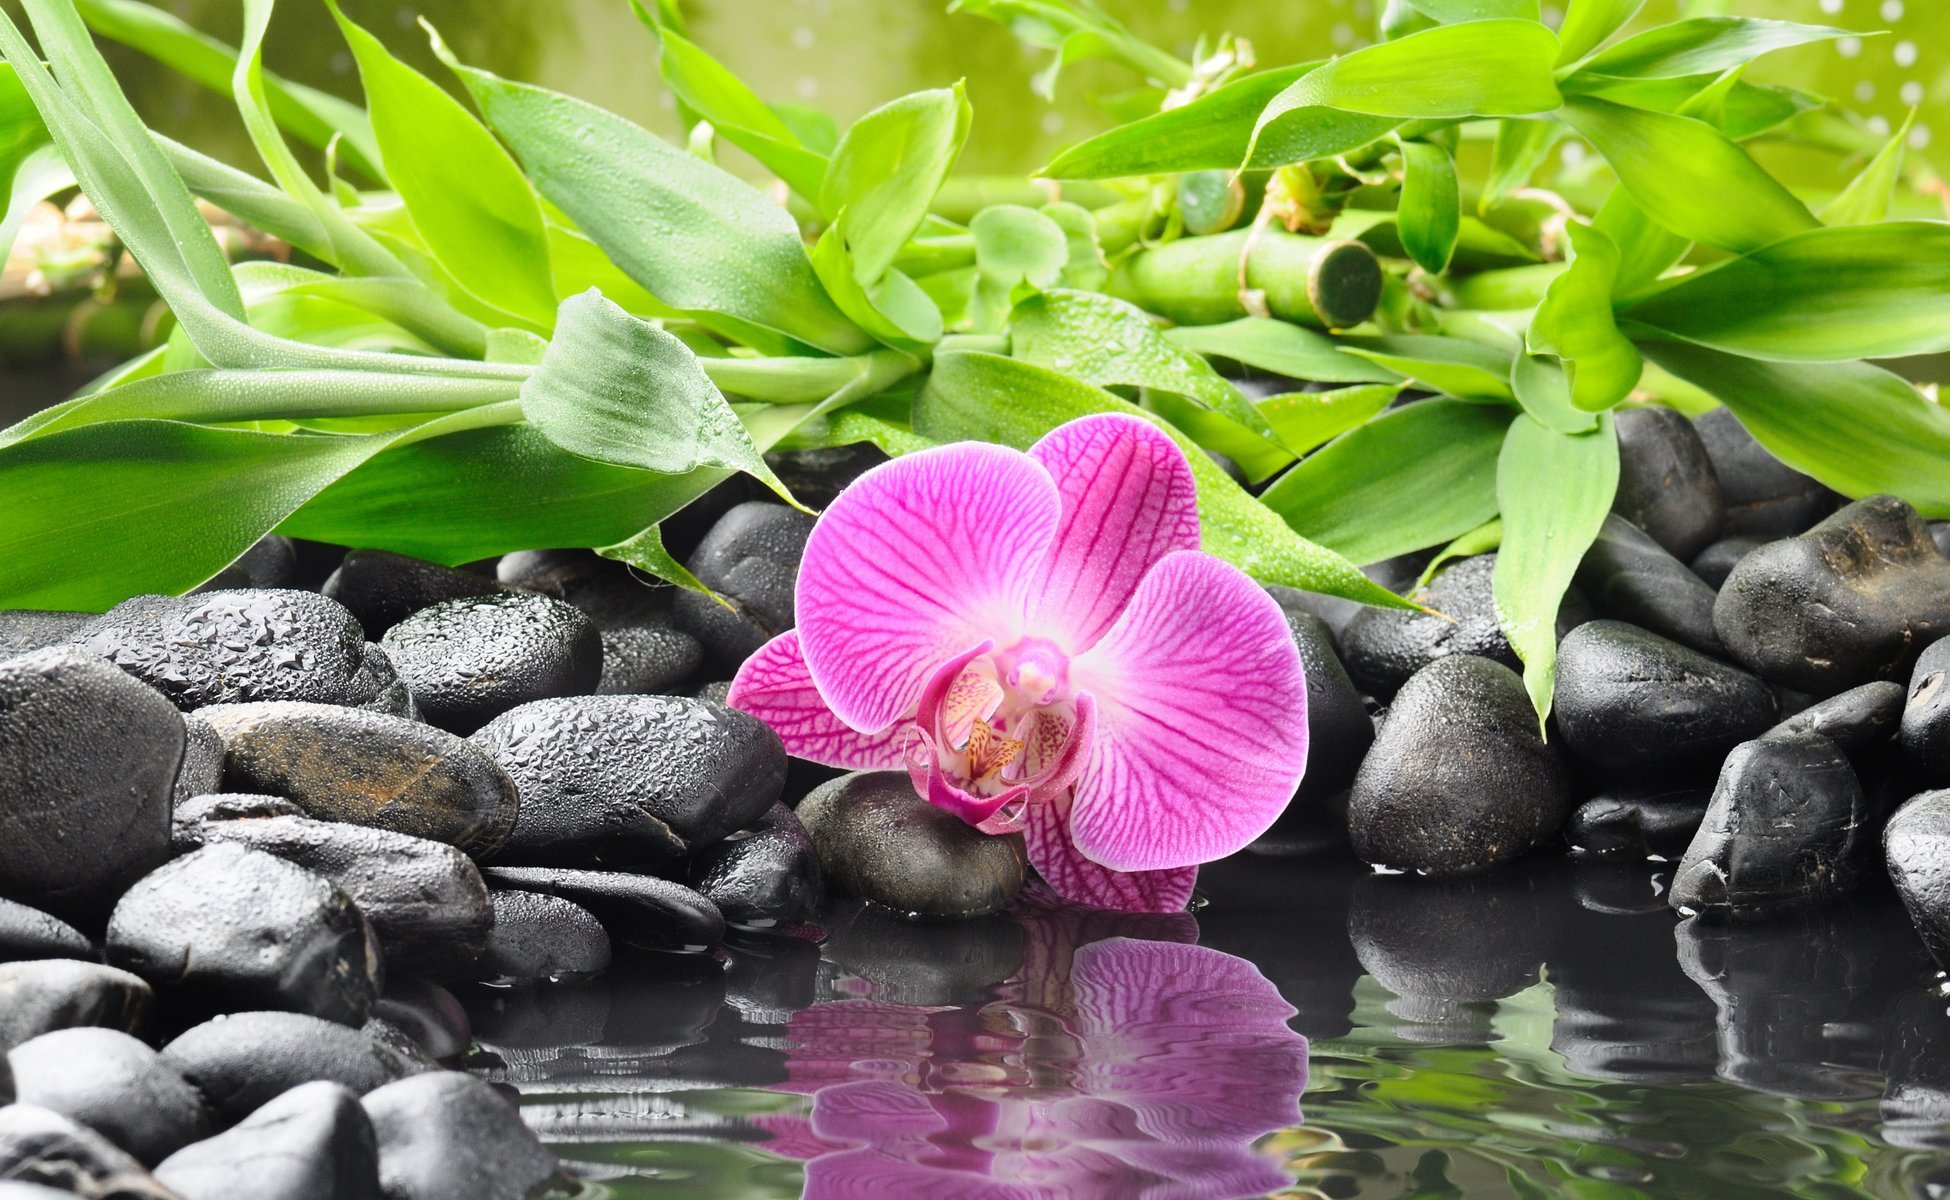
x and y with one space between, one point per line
802 38
1912 92
807 87
1879 126
1052 122
1864 92
1831 7
1892 10
1919 137
1905 54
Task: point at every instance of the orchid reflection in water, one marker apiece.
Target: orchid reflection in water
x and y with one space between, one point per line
1039 641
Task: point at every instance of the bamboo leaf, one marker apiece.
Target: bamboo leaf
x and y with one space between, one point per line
1587 23
887 170
1701 46
1430 213
702 84
892 308
1304 420
1867 197
1646 249
1575 323
1543 391
1449 12
1279 347
1463 369
1520 148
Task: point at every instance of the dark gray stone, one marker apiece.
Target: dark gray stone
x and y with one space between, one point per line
229 927
878 840
1858 720
381 588
1852 600
1640 822
1763 495
1632 701
1629 577
631 780
647 659
751 559
1940 534
314 1142
186 833
369 769
1459 779
88 761
1717 561
1445 947
425 899
39 1146
1397 574
764 875
817 477
244 1061
202 770
1926 713
612 594
1666 481
468 661
638 910
428 1014
1783 832
30 933
449 1136
116 1086
544 937
1916 843
47 994
1338 729
24 629
271 562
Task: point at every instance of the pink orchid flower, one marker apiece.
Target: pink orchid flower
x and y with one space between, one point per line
1037 639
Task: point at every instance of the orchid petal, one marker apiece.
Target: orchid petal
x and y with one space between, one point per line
1076 878
1128 500
775 687
918 560
1201 720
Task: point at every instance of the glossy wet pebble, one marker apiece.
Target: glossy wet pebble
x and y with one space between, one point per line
638 910
27 933
878 840
1632 702
313 1142
763 875
1916 844
1763 495
1639 822
1338 729
1667 485
468 661
751 558
1852 600
537 936
40 1146
631 780
44 995
88 761
201 771
229 927
427 1013
448 1136
116 1086
1459 779
609 592
1926 714
817 477
368 769
381 588
271 562
1858 720
24 629
1717 561
646 659
245 1060
1628 576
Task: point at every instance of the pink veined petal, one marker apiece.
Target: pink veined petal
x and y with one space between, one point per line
1128 500
1201 720
774 686
918 560
1082 881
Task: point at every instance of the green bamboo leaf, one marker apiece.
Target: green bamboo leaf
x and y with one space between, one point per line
1413 477
1646 249
1521 147
249 199
28 179
1575 323
1257 458
1587 23
1858 428
1304 420
1554 491
1543 391
1480 540
1430 213
1688 177
1449 12
707 88
892 308
1281 348
1701 46
1867 197
1827 295
887 170
1087 268
986 397
1464 369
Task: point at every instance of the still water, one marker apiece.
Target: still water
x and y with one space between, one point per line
1312 1030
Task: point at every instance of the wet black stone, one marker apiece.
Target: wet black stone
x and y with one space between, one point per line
314 1142
1852 600
1916 844
751 559
243 1061
1857 720
448 1136
27 933
647 659
231 647
764 875
544 937
368 768
425 899
1666 481
427 1013
381 588
88 762
612 594
186 833
229 927
1717 561
116 1086
44 995
39 1146
1783 832
201 772
817 477
1338 730
1940 534
1629 577
1926 713
1632 701
468 661
1639 822
272 562
1763 495
631 780
638 910
24 629
878 840
1459 779
922 962
1397 574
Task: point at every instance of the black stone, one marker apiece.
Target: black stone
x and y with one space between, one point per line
1852 600
1940 534
751 559
244 1061
44 995
925 963
1397 574
544 937
381 588
88 762
631 780
1717 561
468 661
1926 713
764 875
1916 843
201 772
314 1142
229 927
638 910
1858 720
612 594
1666 481
1639 822
24 629
1763 495
1338 729
186 833
1632 701
817 477
878 840
449 1136
369 769
1459 779
30 933
271 562
116 1086
647 659
427 1013
1783 832
1629 577
39 1146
